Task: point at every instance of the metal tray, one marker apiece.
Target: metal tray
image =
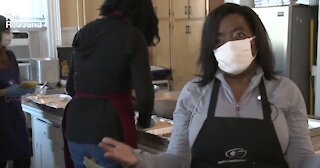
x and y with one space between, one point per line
58 101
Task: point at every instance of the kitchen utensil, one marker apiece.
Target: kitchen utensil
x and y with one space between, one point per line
41 90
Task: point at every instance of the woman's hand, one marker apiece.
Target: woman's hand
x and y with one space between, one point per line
119 151
17 91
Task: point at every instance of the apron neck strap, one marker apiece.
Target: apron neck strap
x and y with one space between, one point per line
264 99
214 98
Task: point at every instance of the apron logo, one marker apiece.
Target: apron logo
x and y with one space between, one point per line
235 155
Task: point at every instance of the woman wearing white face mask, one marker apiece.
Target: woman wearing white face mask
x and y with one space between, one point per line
238 114
14 143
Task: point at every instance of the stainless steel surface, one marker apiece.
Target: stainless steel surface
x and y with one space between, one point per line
276 21
45 69
24 69
165 103
289 31
57 101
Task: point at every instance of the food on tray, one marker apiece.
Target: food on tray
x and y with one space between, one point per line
161 128
29 84
163 132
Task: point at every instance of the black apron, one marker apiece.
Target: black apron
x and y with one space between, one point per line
225 142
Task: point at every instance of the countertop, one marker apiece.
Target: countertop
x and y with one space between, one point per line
146 141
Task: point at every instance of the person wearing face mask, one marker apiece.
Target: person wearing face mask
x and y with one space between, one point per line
238 113
14 143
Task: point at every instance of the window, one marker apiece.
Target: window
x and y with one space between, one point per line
24 10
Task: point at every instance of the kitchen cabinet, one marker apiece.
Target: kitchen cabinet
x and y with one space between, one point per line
186 9
47 143
68 13
214 4
162 8
185 50
180 29
188 18
47 139
76 13
161 52
91 10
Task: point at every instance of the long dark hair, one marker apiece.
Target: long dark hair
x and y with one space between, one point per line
3 25
141 14
207 62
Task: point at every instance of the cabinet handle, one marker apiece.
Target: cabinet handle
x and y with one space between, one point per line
189 29
189 10
185 10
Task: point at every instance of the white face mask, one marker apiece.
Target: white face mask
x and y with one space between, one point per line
6 39
234 56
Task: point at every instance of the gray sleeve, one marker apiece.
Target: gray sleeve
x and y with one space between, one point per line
311 162
164 160
300 146
179 141
178 154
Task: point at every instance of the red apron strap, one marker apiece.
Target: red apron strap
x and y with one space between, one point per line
123 103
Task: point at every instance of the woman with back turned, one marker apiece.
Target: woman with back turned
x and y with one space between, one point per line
110 59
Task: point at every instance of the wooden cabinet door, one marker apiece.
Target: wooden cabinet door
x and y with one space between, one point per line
197 8
180 54
180 9
162 49
214 4
91 10
76 13
194 42
162 8
68 13
185 51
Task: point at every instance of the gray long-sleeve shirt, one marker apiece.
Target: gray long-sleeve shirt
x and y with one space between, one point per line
288 113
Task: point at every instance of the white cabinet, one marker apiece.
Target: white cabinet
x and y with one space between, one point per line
47 144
